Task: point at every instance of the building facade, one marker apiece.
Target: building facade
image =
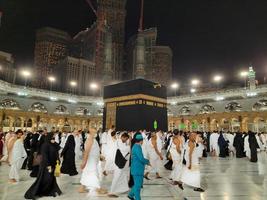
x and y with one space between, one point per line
51 47
81 71
158 59
228 110
7 70
161 71
113 14
91 44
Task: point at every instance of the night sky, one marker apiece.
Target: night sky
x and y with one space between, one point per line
206 36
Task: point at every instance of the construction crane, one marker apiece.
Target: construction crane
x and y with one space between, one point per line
92 7
1 14
141 20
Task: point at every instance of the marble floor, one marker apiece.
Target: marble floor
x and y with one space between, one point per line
223 179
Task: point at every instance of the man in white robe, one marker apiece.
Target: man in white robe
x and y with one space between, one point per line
18 156
103 142
246 147
110 154
214 147
144 145
230 137
78 144
120 179
155 154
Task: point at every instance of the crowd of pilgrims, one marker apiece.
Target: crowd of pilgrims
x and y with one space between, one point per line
128 157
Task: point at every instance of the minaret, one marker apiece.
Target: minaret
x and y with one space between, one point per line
251 78
108 72
140 48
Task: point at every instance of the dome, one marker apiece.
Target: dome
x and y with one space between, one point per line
185 110
206 109
82 111
38 107
233 107
261 105
61 110
10 104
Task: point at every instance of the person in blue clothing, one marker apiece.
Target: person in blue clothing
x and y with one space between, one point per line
138 163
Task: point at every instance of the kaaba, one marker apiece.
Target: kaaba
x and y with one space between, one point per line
135 105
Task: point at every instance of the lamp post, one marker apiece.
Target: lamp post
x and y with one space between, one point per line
193 90
244 74
1 72
174 86
195 82
73 85
94 87
217 79
51 79
26 74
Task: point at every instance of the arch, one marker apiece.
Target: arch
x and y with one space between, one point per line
187 125
204 125
244 124
6 122
214 125
28 123
92 124
225 124
235 125
99 125
70 122
38 107
259 125
78 122
18 122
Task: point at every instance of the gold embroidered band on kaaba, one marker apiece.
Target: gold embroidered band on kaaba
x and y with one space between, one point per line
137 99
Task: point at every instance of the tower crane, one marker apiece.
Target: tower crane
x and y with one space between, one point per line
92 7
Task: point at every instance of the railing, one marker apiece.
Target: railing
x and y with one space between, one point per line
6 87
219 95
34 92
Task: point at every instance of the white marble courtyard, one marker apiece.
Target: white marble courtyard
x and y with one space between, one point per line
223 179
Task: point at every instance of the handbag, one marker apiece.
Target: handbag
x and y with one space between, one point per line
37 158
120 160
184 161
57 169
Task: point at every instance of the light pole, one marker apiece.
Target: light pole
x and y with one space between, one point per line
195 82
244 74
193 90
73 84
51 79
26 74
217 79
174 86
1 71
93 87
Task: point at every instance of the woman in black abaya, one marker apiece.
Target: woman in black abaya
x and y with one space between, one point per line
68 153
239 145
46 184
253 145
223 145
